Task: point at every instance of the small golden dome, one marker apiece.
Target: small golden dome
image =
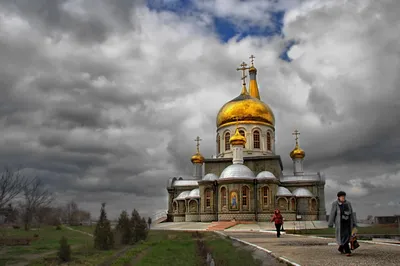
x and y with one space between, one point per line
245 109
197 158
237 139
297 153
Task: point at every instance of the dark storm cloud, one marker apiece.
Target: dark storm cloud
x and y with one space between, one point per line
103 99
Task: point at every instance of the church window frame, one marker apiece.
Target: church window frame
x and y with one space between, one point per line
313 205
223 197
245 197
283 207
227 137
207 199
292 204
265 196
256 139
269 144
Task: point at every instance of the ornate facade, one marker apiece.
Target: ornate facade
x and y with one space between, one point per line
245 181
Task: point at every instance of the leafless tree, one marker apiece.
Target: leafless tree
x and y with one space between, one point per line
36 196
12 183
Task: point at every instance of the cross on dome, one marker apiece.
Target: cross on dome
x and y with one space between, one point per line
198 139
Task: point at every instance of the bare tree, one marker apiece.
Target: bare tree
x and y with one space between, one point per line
12 183
36 196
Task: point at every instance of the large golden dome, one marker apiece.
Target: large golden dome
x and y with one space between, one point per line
245 109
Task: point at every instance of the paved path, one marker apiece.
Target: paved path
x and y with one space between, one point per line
79 231
311 251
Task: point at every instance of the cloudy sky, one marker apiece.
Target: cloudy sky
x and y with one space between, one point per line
103 99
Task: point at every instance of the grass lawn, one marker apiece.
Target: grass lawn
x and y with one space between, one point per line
43 250
177 248
47 242
371 230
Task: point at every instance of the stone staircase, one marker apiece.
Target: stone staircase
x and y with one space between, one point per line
221 226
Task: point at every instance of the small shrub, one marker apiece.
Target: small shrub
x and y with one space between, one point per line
35 235
64 253
58 227
16 226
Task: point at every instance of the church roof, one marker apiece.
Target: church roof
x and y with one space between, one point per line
185 183
301 178
237 171
210 177
266 175
283 192
195 193
302 193
183 195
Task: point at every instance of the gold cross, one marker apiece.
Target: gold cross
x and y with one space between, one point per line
198 139
296 133
243 68
252 60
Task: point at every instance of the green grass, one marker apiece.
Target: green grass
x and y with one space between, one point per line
224 253
47 242
87 229
179 248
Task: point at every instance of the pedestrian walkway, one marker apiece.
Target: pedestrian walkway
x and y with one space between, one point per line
314 251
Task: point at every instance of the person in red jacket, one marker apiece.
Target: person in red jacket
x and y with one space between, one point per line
278 219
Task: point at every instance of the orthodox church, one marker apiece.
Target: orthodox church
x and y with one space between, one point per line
244 181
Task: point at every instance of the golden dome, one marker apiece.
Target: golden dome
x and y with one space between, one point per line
237 139
245 109
297 153
197 158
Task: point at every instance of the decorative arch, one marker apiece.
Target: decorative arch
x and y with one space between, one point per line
313 205
218 144
269 146
256 139
223 197
282 204
245 197
193 206
292 204
227 136
265 196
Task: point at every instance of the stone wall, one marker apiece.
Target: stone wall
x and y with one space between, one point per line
179 218
207 217
192 218
240 216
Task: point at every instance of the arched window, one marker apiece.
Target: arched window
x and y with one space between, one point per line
208 198
227 138
256 139
282 204
265 195
245 199
268 141
218 144
293 204
313 205
193 206
241 132
223 197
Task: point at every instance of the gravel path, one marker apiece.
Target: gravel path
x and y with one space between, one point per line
310 251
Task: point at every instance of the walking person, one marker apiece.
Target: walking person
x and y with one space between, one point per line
278 219
342 216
